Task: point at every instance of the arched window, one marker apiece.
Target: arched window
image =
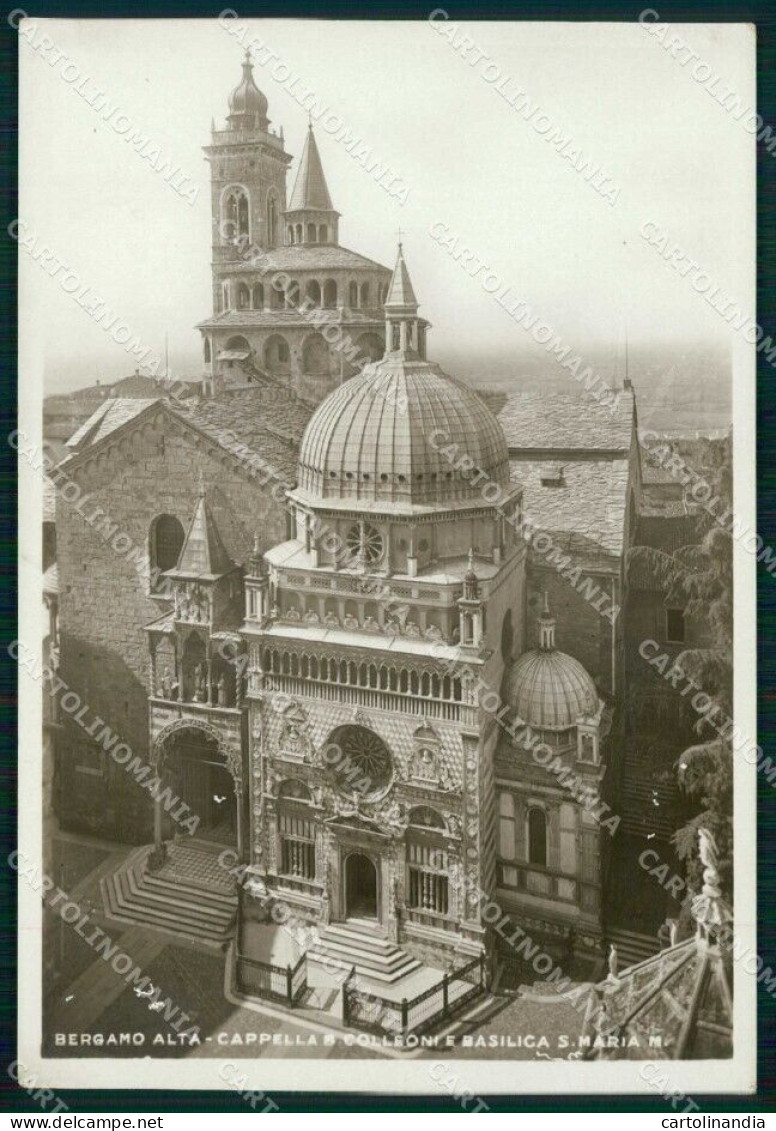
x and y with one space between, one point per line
297 831
313 292
165 545
381 293
206 349
298 233
537 837
243 297
323 234
353 295
330 294
311 233
292 294
258 296
428 888
365 294
272 220
290 233
225 296
235 214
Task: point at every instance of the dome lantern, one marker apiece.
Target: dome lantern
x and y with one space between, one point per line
404 333
546 627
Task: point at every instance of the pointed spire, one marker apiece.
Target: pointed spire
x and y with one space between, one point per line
471 585
546 627
310 188
400 290
203 552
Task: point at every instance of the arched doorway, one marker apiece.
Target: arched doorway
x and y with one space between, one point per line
196 772
360 887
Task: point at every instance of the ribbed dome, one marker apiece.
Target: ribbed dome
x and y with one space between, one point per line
379 437
551 689
247 99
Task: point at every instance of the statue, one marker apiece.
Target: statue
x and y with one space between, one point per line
612 963
165 685
199 684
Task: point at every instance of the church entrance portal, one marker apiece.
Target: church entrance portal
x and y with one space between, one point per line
196 773
360 887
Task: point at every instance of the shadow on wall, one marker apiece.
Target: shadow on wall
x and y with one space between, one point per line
92 793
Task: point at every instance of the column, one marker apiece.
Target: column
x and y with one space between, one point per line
238 793
158 824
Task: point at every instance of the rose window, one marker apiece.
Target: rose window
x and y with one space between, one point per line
365 543
360 762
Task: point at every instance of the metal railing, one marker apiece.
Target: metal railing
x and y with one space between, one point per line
279 983
413 1015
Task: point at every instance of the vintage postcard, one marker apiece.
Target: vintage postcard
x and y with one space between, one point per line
387 411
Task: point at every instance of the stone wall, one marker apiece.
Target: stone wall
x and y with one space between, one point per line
581 630
104 601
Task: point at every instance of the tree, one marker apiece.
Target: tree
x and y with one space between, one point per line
699 579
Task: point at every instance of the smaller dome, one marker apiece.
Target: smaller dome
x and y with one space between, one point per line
247 99
549 689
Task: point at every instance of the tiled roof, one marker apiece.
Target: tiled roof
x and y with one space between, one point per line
110 415
586 513
265 420
306 257
310 188
543 421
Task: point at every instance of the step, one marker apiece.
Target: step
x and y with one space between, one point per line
632 947
122 902
191 887
164 901
368 972
127 902
373 957
375 943
181 893
357 956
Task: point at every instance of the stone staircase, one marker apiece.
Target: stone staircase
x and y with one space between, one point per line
343 947
647 805
631 946
183 908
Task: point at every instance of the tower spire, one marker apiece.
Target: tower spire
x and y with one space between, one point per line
311 216
403 332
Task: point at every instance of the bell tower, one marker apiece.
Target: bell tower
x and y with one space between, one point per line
248 165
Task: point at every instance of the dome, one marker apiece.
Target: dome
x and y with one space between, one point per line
381 437
247 99
549 689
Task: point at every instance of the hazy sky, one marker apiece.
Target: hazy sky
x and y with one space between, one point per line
468 159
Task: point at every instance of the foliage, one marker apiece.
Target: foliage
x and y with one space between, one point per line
699 579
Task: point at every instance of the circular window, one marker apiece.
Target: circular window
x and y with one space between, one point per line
372 546
359 761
